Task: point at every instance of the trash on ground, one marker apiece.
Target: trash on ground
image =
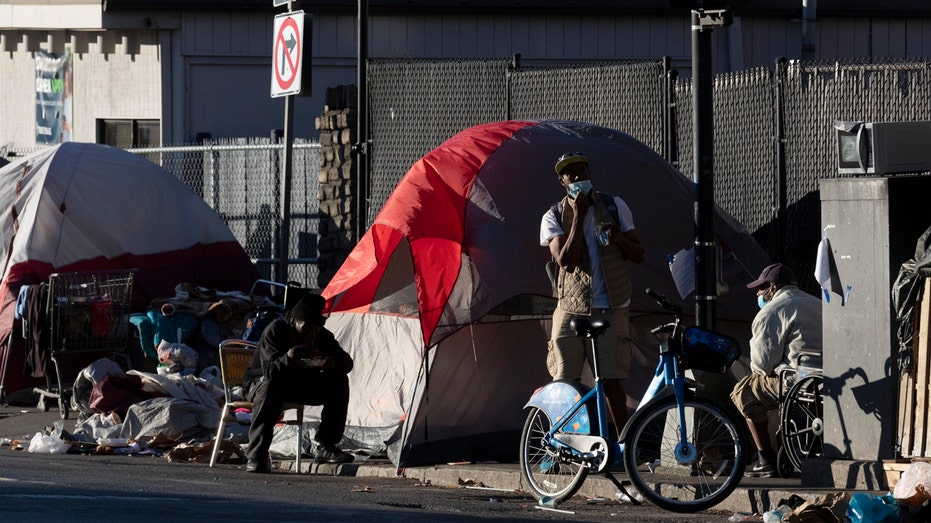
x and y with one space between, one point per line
489 488
914 486
550 509
45 444
830 508
869 508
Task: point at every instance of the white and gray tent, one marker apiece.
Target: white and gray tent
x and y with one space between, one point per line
77 207
445 304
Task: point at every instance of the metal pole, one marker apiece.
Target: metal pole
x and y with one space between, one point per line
361 147
703 131
284 231
782 177
670 75
513 66
672 124
809 19
666 108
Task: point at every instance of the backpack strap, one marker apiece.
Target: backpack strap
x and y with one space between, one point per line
610 205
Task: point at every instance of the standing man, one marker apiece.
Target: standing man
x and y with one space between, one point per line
785 333
298 361
591 236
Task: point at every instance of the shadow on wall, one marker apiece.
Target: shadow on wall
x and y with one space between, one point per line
866 395
799 247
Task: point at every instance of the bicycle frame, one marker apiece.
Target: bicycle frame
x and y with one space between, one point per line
682 452
665 376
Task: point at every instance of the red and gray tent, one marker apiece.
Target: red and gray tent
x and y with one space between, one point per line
445 305
88 207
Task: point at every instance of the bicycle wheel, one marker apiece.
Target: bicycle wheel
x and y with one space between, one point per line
802 423
548 478
677 480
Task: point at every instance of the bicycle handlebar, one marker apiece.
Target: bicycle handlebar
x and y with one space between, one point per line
664 303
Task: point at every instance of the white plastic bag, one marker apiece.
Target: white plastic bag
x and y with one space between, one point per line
45 444
212 374
915 484
171 353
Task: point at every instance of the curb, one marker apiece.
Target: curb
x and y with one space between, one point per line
753 496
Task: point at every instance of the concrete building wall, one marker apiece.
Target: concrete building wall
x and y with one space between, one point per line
116 75
210 71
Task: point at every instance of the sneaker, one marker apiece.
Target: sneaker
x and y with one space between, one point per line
258 466
760 469
332 454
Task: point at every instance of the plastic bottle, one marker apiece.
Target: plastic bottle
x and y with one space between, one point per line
776 515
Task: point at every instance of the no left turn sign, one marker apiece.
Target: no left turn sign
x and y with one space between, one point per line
288 54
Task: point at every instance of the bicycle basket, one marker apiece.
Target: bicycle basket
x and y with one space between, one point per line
707 350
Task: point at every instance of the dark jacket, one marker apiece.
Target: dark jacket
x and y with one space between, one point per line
271 358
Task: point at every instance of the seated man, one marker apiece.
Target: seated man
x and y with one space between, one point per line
787 326
298 361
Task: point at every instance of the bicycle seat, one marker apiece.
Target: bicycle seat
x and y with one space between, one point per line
588 328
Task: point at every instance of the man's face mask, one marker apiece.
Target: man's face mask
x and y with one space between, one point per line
580 187
761 301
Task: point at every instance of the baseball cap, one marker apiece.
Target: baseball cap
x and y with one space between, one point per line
568 159
775 273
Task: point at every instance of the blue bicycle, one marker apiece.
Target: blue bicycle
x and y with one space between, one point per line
681 452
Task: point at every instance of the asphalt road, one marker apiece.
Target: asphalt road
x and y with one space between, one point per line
99 488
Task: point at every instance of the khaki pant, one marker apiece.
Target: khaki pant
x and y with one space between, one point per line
755 395
568 352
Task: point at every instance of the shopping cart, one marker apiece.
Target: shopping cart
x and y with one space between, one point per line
87 319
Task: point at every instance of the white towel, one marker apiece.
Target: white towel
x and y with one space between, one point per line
826 273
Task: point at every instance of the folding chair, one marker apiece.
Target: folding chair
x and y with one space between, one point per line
235 357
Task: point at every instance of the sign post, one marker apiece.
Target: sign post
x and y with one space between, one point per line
288 75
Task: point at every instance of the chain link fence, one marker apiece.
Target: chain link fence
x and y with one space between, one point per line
627 96
774 134
414 106
774 139
241 180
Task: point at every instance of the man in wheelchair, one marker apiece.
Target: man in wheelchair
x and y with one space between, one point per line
787 326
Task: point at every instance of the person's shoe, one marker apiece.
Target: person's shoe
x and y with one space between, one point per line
258 466
332 454
760 469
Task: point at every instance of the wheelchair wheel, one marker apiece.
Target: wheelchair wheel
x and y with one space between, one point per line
802 420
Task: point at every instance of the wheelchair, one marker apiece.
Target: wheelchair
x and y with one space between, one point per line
801 417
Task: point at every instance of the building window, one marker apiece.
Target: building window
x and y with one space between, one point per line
127 134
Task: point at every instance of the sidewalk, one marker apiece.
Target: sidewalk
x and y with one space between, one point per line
754 495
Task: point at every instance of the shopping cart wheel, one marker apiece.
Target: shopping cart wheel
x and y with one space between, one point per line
43 404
